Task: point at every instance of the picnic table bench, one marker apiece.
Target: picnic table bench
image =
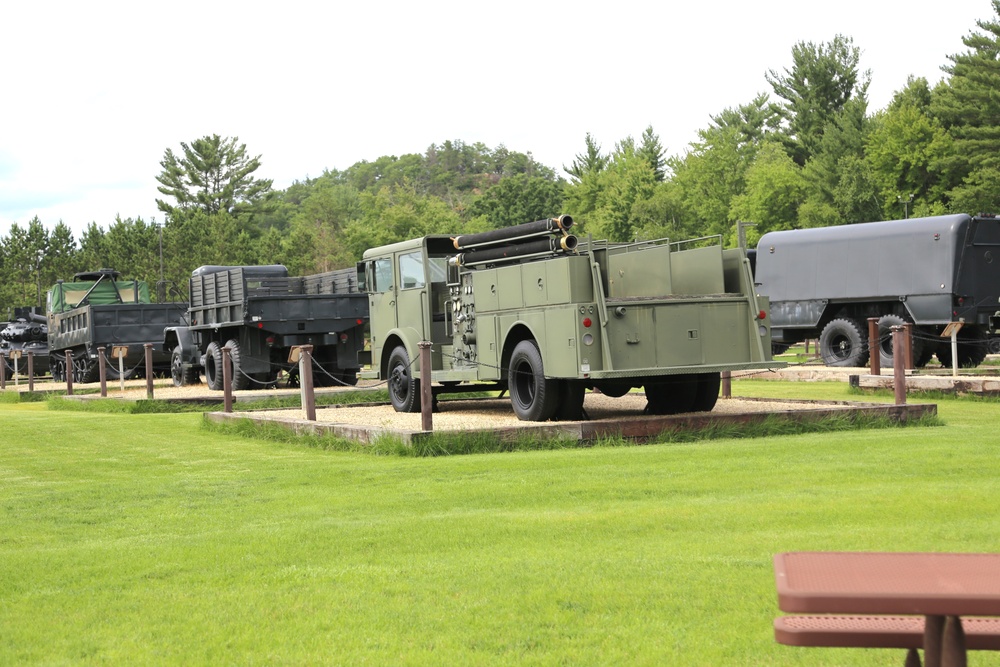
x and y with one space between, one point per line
891 600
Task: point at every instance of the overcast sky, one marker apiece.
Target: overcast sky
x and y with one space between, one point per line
92 93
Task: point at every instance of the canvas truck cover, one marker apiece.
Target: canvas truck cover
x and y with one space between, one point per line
65 296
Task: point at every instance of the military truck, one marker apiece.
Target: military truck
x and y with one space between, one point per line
100 309
826 282
531 310
27 332
260 313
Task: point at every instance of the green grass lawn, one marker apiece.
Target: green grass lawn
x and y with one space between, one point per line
145 539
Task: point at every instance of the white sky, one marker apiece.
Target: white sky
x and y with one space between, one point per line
92 93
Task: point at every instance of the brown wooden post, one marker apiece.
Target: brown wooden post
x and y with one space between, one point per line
908 345
898 374
102 367
69 373
874 348
31 371
227 380
148 347
306 385
426 395
727 384
3 372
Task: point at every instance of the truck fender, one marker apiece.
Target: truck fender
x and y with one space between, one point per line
182 338
408 337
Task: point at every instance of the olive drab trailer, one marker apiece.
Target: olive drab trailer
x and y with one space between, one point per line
260 313
99 309
533 310
827 282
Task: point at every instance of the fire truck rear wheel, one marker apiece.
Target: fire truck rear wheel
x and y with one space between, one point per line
534 397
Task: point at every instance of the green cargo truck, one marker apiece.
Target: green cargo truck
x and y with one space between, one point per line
260 313
532 310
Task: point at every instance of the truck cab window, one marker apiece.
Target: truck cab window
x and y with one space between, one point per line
382 275
411 269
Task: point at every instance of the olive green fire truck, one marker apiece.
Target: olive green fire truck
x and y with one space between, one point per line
533 310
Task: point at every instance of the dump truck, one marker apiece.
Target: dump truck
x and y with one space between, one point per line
99 309
826 283
532 310
260 313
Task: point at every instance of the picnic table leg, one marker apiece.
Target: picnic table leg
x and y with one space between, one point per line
912 658
933 633
953 643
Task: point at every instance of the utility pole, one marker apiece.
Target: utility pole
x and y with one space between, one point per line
905 201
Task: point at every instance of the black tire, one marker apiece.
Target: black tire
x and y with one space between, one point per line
972 349
926 354
180 375
57 367
993 345
885 352
404 387
844 343
213 366
85 371
349 377
614 389
672 395
571 395
707 393
111 369
534 397
240 379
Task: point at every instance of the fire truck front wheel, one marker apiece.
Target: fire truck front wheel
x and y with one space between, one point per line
404 387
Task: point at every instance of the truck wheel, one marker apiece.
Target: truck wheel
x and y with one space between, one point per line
707 392
56 367
885 354
534 397
111 368
672 395
571 395
972 348
993 345
240 379
213 366
180 375
843 343
404 387
349 377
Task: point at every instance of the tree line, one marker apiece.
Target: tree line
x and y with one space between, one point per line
807 153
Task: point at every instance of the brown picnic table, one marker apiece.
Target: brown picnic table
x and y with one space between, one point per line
941 587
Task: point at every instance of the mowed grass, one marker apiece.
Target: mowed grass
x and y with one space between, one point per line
146 539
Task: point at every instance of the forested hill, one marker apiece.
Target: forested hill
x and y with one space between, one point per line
808 153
